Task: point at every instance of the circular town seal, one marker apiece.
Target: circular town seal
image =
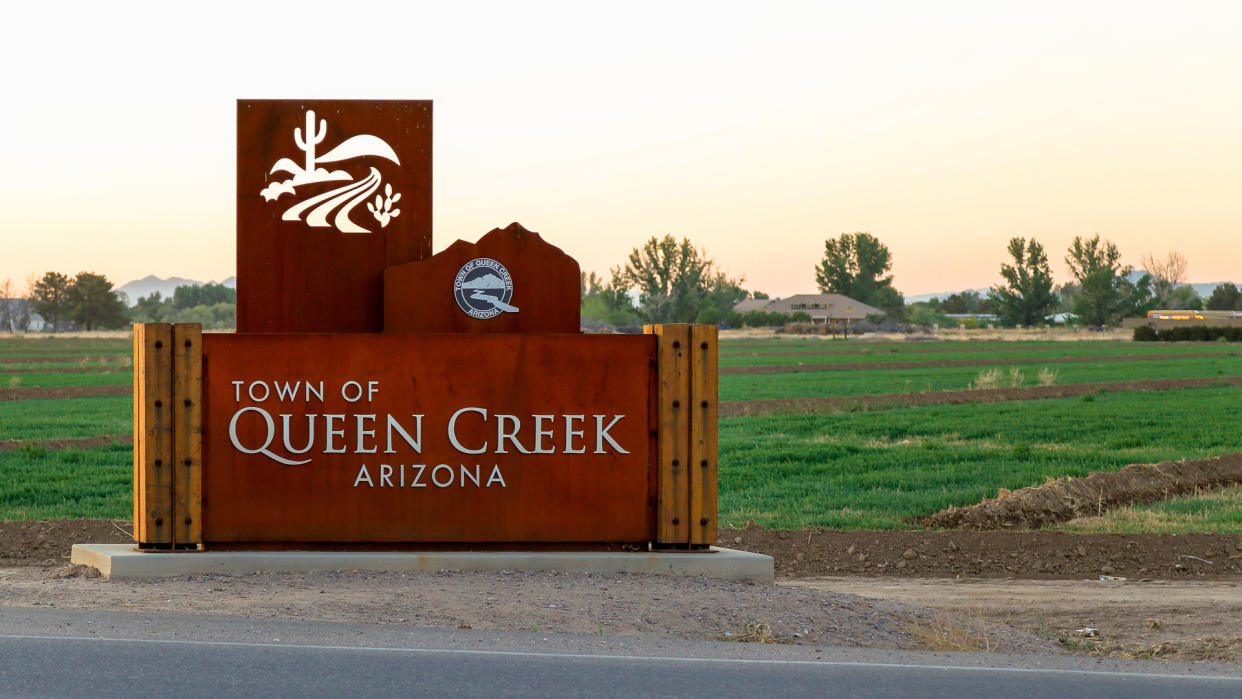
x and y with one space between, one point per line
483 288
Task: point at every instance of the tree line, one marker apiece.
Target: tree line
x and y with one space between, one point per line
671 281
88 301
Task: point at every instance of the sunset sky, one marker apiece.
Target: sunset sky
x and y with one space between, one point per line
757 130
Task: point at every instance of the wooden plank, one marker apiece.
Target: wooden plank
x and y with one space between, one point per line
703 452
187 435
673 409
153 432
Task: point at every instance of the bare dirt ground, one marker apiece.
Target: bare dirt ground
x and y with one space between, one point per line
1181 597
60 392
78 443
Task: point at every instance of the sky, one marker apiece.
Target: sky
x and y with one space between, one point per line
756 130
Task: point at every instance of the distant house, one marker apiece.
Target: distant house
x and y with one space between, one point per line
834 310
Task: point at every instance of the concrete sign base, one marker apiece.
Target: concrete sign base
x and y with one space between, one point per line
118 561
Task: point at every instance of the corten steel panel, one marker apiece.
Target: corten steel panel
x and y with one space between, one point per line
293 276
547 497
546 288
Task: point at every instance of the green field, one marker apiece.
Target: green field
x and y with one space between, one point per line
879 468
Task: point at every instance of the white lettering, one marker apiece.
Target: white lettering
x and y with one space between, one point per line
385 475
601 434
417 482
416 443
271 434
435 481
310 433
360 448
363 476
313 391
452 431
237 391
501 435
570 433
372 389
287 391
345 391
266 391
332 434
540 433
496 477
465 473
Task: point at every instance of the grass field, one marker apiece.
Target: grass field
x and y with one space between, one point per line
881 468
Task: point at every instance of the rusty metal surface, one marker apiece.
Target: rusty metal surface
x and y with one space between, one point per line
546 497
545 288
296 277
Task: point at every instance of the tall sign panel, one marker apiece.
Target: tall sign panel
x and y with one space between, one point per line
329 194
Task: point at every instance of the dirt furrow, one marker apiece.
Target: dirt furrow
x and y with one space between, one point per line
834 404
843 366
60 392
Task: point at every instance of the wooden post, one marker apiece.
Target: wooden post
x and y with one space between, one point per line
673 441
187 435
703 396
153 435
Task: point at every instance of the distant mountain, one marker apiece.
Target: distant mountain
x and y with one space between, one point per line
150 284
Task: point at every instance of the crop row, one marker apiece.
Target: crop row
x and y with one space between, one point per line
885 469
734 387
1039 353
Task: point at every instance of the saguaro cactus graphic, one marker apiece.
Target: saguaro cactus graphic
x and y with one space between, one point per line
308 144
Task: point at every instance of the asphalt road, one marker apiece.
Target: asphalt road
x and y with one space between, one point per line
59 652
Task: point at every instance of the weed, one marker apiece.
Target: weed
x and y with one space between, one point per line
1047 376
14 381
1016 377
758 632
986 378
943 632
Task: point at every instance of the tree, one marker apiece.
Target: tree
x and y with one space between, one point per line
1025 297
1166 274
1104 292
675 281
1225 297
93 304
853 266
50 297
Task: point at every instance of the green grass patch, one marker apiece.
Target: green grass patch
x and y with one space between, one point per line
813 384
881 469
36 483
66 419
55 380
1215 512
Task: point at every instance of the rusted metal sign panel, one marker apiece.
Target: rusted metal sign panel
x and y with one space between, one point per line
329 194
444 438
510 281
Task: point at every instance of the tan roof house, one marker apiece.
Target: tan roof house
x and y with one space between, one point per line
832 309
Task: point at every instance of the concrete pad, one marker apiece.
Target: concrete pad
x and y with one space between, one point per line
124 561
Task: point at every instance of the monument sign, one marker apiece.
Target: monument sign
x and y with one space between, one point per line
376 394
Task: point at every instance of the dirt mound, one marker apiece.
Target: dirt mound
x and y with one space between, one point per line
55 444
804 406
1069 498
856 366
64 392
